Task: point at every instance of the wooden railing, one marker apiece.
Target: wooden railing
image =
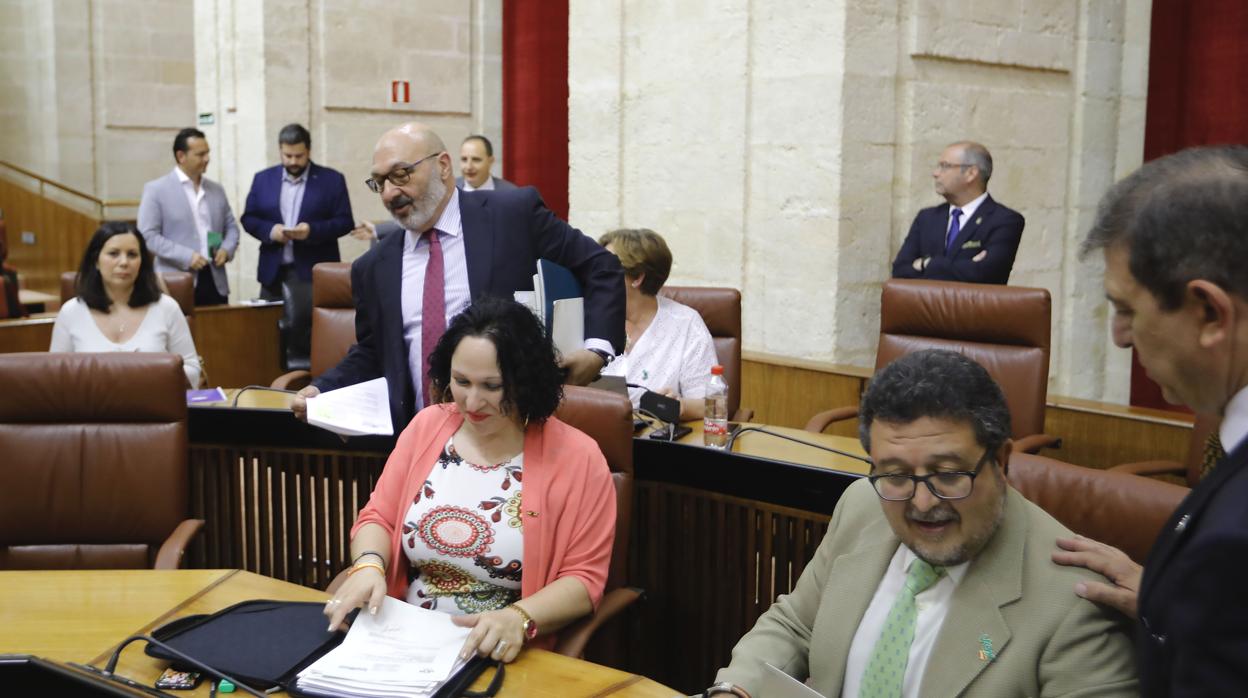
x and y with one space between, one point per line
47 236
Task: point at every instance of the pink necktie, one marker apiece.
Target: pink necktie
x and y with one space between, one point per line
432 308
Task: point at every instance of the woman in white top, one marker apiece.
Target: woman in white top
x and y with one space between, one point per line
119 306
669 350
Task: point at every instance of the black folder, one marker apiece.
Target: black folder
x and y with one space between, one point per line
267 643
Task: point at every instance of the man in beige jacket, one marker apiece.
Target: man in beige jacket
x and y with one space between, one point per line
935 577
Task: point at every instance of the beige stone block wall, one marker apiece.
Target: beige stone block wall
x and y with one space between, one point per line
328 65
95 91
784 148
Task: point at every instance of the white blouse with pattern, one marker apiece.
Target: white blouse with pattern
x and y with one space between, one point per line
463 536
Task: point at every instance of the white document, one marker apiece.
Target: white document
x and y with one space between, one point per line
529 300
402 651
777 684
567 330
354 410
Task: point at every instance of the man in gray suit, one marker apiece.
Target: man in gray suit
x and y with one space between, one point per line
934 577
187 222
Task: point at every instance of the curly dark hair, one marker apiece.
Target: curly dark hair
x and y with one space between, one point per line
532 378
88 285
936 383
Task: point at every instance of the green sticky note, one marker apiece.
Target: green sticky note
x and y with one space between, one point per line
214 240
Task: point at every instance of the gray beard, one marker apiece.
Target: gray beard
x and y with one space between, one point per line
421 216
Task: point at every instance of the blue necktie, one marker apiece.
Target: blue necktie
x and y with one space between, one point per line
954 229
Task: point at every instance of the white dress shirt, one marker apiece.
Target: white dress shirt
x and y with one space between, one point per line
1234 421
455 279
291 201
199 209
932 605
487 185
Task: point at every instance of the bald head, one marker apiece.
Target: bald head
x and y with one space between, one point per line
415 150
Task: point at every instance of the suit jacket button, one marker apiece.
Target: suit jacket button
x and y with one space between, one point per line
1182 524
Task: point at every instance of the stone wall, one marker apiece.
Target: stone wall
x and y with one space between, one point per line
784 148
95 91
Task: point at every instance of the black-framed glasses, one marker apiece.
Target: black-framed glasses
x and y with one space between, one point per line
943 484
942 165
399 175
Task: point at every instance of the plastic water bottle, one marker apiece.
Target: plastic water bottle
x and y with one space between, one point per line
715 421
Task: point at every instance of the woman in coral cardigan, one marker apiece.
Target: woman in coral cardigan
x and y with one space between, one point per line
489 507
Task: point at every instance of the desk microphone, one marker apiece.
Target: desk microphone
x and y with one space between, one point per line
245 388
109 668
733 439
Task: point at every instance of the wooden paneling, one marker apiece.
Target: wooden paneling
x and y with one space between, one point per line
1094 434
30 334
711 565
789 395
61 235
240 344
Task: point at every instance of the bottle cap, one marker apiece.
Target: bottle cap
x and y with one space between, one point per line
717 370
225 687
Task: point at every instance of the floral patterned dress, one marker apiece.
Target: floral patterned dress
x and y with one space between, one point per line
463 536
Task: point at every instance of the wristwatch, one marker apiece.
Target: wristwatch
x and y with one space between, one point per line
725 687
529 626
607 357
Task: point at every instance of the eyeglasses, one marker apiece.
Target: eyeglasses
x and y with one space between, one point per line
942 165
951 484
398 176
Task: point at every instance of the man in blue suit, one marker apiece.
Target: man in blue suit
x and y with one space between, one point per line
1174 236
458 246
297 210
971 237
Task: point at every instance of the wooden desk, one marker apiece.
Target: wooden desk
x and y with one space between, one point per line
82 616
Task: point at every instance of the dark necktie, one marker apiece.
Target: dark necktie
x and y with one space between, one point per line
432 308
954 229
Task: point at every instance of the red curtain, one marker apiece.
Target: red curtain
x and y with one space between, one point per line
1197 95
535 97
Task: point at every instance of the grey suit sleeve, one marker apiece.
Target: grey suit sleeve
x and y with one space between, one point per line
1090 654
151 226
229 232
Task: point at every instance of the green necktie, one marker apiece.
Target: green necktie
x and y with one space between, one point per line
886 669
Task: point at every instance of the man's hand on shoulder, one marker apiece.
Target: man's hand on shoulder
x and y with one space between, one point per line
300 404
583 366
365 230
1122 591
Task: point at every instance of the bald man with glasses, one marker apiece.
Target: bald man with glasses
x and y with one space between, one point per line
455 248
971 237
935 577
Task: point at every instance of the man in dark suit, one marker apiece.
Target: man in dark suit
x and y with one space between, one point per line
1175 239
971 237
475 243
297 210
476 157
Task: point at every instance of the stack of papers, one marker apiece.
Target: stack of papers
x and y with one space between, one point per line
402 651
356 410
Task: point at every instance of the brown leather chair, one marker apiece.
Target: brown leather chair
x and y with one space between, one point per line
1189 469
181 286
1004 328
333 323
720 309
1125 511
94 471
608 418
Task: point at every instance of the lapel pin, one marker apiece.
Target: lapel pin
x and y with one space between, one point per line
1182 524
985 649
979 220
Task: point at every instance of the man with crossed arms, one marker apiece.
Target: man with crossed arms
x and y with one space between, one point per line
935 577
